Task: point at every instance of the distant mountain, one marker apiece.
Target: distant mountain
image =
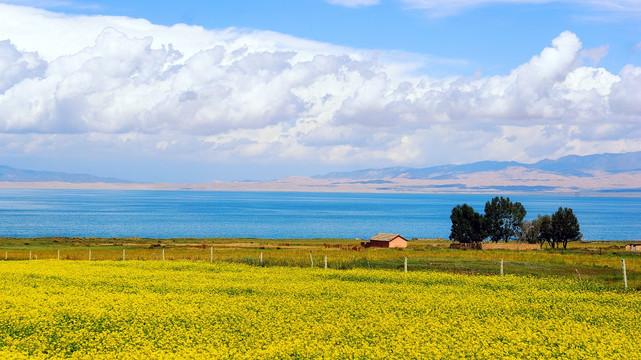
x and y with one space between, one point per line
572 165
594 175
582 165
18 175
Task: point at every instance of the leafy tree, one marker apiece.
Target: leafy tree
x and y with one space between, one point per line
538 231
503 219
565 227
467 225
529 232
544 225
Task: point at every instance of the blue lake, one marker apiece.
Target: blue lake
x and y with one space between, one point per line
169 214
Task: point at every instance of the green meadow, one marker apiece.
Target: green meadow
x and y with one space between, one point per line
594 262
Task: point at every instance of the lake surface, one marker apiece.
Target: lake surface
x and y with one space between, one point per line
169 214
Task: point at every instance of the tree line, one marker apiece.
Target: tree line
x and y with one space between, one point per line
503 220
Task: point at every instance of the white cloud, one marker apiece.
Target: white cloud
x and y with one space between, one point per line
117 86
353 3
438 8
626 94
16 66
595 55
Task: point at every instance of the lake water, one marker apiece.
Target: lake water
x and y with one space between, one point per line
168 214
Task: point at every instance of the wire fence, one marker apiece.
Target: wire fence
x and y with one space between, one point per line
329 260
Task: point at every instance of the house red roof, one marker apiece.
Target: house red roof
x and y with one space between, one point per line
386 237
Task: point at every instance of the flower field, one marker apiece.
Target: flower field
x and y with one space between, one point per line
187 309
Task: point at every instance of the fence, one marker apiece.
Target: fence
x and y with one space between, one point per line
488 267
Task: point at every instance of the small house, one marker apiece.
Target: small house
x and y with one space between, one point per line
633 247
383 240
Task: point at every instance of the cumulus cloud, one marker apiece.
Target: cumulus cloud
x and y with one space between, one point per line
626 94
16 66
126 86
353 3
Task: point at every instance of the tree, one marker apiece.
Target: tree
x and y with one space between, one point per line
538 231
529 232
565 227
467 225
503 219
544 225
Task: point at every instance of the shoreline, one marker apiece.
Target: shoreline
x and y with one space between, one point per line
229 242
318 186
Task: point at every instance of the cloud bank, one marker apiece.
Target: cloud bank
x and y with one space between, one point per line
97 84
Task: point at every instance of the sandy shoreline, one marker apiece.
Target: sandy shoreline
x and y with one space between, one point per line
608 185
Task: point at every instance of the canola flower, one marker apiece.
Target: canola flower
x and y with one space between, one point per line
176 310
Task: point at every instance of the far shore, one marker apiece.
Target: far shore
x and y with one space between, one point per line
304 184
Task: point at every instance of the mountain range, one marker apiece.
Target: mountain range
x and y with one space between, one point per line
582 175
573 165
10 174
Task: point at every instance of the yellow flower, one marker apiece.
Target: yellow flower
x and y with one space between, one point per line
174 310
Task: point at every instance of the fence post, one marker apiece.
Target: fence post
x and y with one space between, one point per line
211 254
58 254
163 253
123 254
625 274
6 255
29 254
261 257
405 265
89 254
501 267
325 262
311 259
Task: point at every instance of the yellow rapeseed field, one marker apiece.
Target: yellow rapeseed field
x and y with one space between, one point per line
188 309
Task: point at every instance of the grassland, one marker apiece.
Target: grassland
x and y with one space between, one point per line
196 309
594 262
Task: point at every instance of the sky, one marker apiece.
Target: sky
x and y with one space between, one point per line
198 91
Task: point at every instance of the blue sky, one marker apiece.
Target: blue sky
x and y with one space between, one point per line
311 86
